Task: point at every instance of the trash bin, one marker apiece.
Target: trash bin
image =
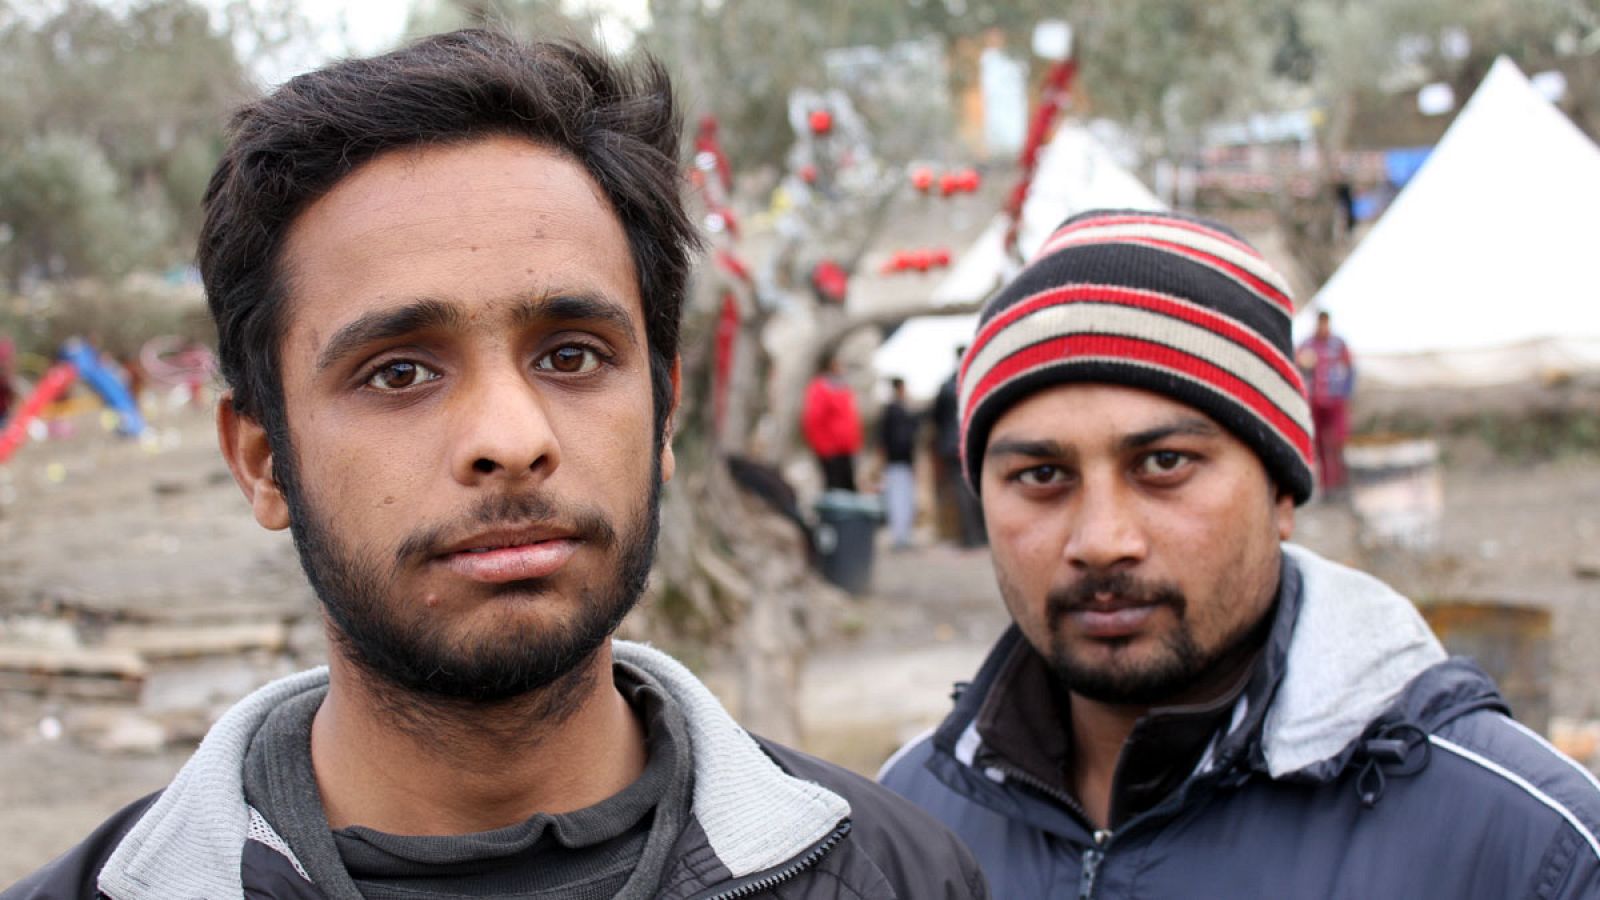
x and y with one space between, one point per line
1396 491
844 537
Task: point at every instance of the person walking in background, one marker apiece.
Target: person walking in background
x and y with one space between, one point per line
1330 378
8 352
947 450
831 425
897 436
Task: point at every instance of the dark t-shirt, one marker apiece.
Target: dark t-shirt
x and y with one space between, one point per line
617 848
898 433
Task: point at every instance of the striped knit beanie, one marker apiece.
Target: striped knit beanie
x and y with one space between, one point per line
1158 301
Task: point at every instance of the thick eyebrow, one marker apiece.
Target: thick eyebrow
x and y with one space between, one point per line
426 314
575 308
1040 449
1193 426
382 325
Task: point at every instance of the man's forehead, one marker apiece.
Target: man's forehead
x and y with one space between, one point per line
494 229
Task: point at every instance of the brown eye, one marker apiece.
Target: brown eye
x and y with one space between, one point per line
1165 462
572 359
400 374
1040 476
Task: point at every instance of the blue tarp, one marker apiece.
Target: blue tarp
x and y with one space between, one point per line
1402 163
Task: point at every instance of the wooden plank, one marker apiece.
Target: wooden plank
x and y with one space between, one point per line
93 662
154 642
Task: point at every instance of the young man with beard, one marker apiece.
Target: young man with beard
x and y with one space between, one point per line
1186 706
447 284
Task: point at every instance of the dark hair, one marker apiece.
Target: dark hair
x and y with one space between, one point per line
291 147
897 383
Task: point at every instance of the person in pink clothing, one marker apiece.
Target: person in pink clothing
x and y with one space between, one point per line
1330 377
7 395
831 425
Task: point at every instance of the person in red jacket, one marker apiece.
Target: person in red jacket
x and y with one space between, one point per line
831 425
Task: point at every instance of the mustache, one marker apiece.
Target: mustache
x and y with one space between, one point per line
511 510
1124 590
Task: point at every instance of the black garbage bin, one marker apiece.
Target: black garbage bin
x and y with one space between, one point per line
844 537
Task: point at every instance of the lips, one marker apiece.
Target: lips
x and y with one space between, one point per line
513 555
1115 607
1112 621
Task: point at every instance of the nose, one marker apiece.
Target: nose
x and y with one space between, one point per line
503 431
1106 533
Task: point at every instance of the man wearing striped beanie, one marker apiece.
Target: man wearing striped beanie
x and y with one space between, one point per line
1186 706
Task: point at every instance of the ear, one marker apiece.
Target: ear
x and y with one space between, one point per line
1283 515
669 463
244 446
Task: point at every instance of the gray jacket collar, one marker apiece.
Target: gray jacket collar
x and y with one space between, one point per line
190 842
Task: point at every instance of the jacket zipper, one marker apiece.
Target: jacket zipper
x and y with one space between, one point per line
1056 794
1092 857
773 879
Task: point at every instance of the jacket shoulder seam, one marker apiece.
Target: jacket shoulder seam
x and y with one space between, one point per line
1550 748
1523 784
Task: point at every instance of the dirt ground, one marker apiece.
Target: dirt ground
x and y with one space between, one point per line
109 543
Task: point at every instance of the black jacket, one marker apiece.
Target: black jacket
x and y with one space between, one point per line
766 821
1359 763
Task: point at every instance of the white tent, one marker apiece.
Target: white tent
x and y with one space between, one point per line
1483 270
923 351
1076 172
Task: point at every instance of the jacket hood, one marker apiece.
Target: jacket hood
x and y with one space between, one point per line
190 842
1357 645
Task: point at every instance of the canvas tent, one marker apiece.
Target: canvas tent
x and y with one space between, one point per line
1076 172
1482 271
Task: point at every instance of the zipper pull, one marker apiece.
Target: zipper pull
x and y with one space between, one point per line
1092 857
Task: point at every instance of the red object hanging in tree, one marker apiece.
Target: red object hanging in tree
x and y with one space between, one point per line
727 335
1054 95
808 173
830 280
706 141
922 178
733 266
821 121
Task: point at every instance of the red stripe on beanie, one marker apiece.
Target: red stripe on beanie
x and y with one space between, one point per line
1112 348
1223 325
